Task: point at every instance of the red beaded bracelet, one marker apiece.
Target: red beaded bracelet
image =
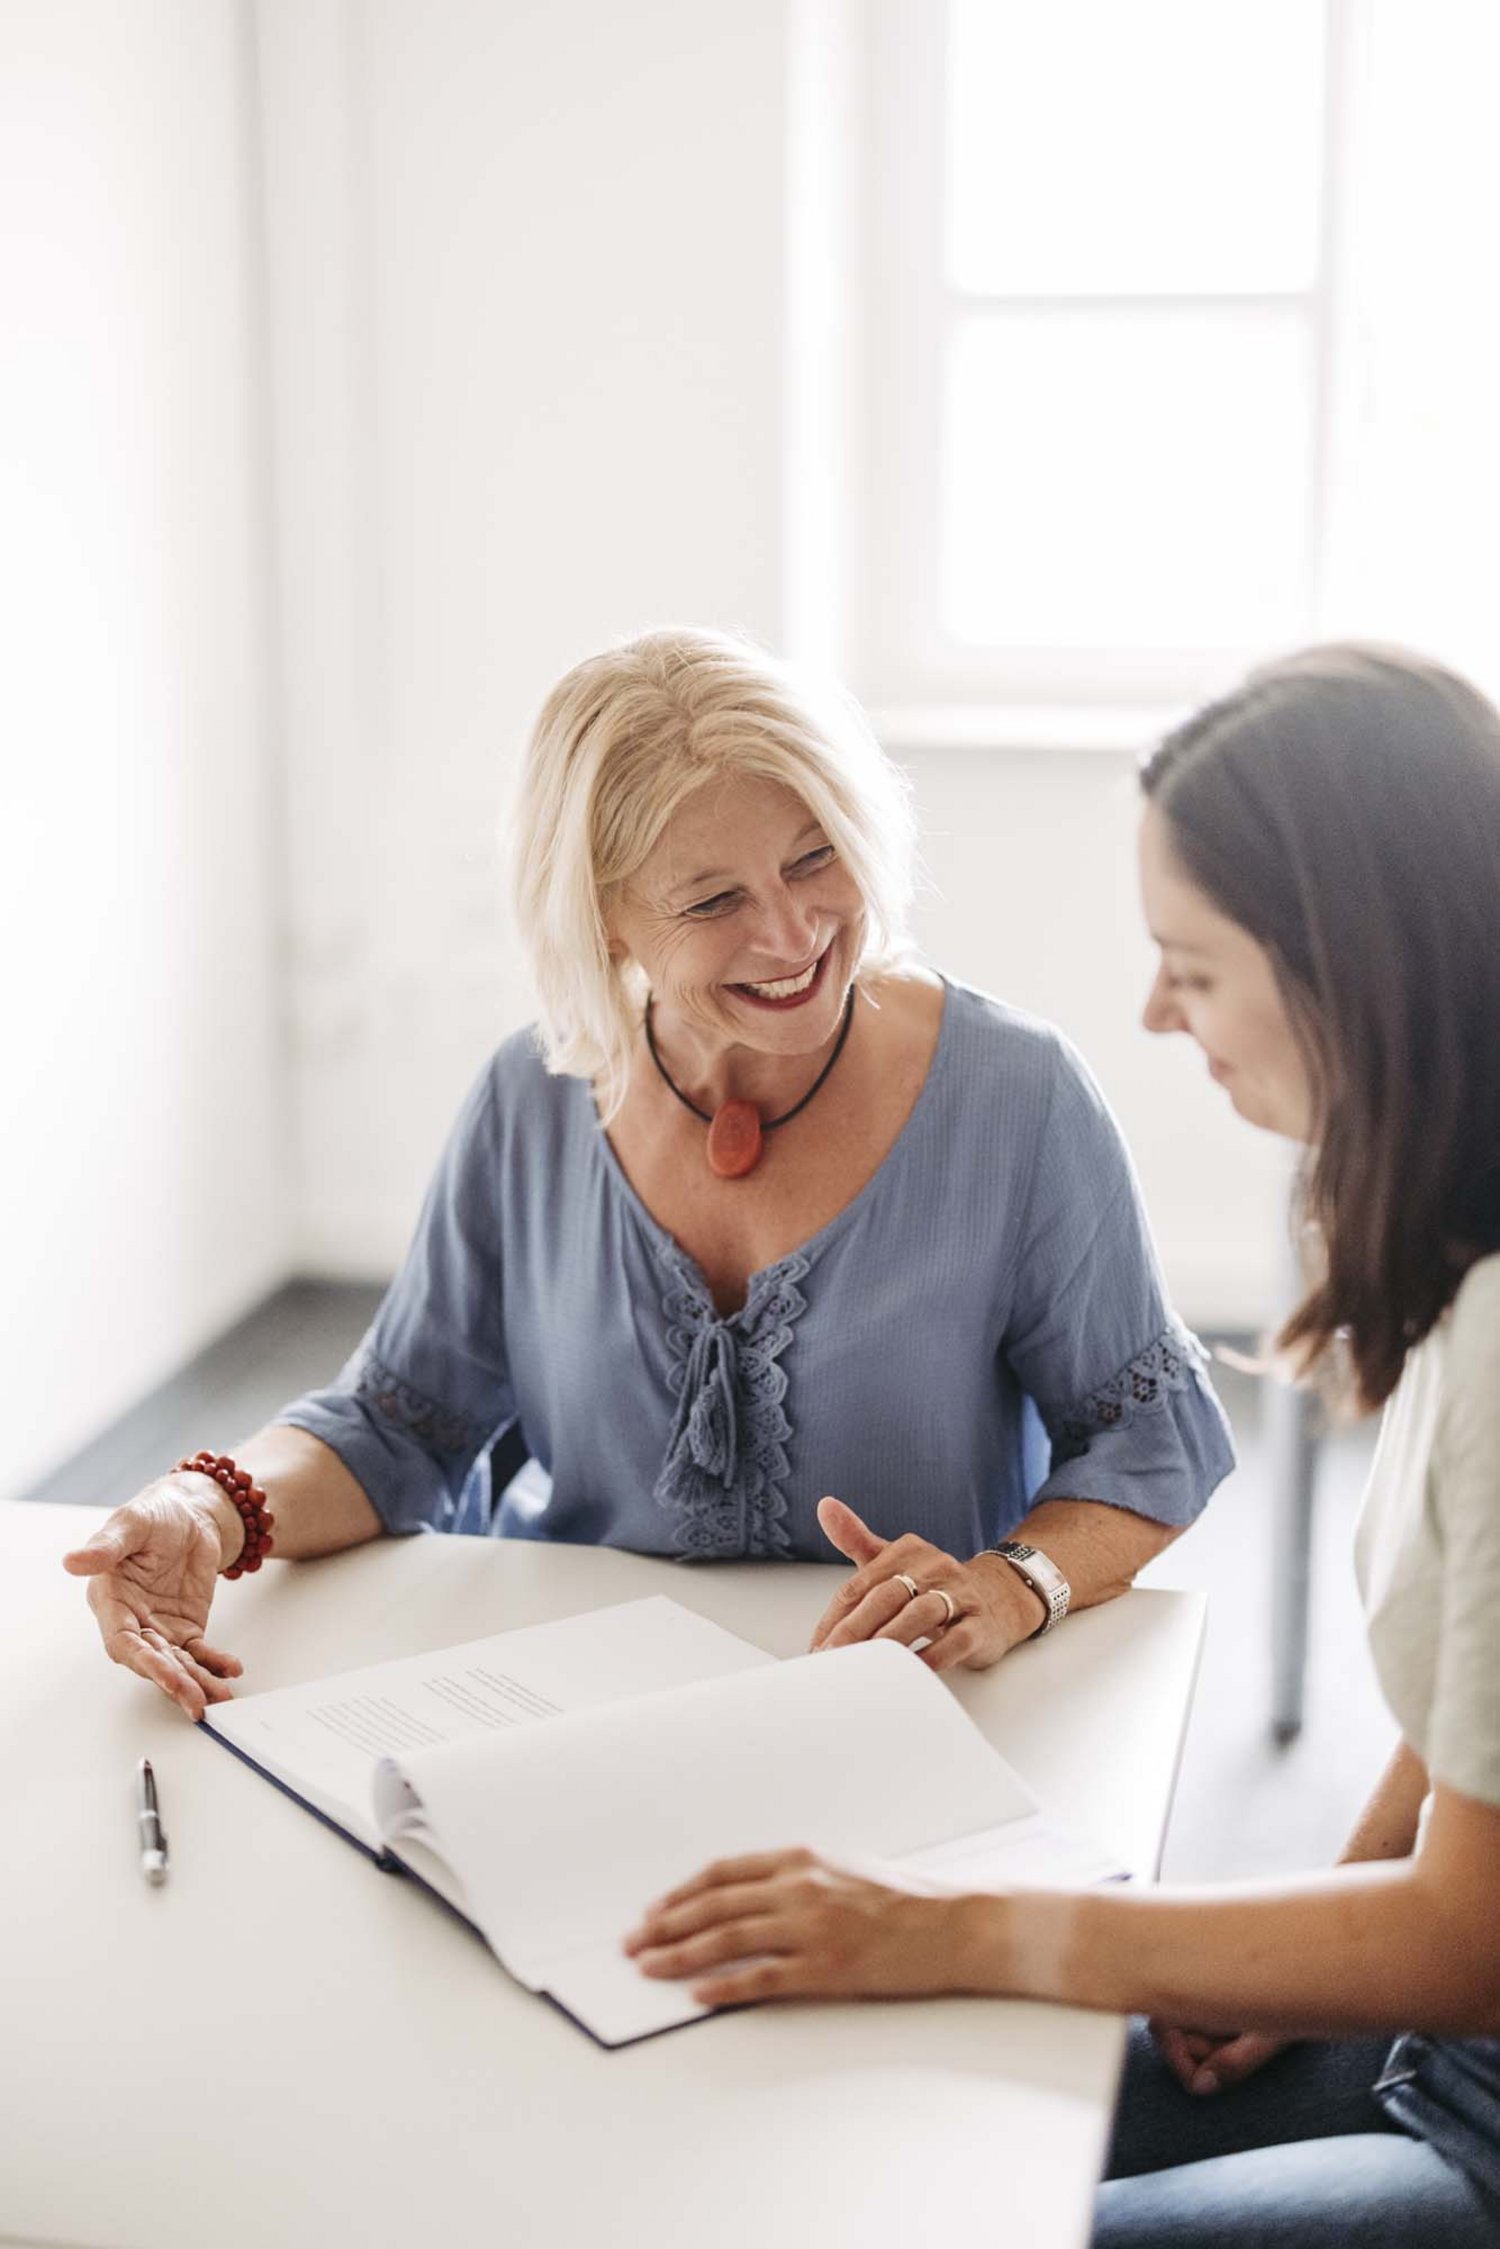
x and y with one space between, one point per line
248 1498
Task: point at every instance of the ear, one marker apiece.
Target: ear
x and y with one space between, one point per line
614 944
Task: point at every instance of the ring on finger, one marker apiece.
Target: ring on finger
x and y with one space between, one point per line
944 1595
912 1587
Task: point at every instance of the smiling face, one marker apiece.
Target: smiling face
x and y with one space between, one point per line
1217 983
746 924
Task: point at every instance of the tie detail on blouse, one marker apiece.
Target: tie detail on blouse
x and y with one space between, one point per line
726 1459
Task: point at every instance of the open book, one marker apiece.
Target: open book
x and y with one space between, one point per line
550 1782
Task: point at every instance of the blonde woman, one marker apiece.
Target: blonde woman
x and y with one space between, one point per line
762 1211
1320 859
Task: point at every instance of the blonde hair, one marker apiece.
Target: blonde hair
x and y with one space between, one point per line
624 740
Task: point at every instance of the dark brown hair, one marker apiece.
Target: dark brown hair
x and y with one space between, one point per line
1343 807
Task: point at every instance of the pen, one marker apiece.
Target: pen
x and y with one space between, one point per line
148 1817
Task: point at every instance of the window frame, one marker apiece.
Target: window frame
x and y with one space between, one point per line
922 683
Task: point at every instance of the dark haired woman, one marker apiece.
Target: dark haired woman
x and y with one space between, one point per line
1321 871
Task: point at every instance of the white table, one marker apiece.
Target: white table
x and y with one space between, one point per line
285 2047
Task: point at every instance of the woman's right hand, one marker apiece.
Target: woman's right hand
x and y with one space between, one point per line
1210 2061
151 1570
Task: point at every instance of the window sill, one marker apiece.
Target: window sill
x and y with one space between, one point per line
1121 730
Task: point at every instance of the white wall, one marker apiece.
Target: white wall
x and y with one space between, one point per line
142 1191
558 335
555 360
1031 858
540 407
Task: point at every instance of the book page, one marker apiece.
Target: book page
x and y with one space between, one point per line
325 1740
1033 1852
603 1990
561 1836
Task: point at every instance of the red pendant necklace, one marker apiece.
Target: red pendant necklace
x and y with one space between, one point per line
736 1130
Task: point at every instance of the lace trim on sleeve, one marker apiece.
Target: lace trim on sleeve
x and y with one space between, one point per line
1170 1364
439 1429
727 1459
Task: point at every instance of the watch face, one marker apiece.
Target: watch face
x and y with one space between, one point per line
1042 1575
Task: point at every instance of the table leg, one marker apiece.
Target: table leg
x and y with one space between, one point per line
1293 1429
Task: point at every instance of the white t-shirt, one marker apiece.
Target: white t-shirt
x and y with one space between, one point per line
1427 1551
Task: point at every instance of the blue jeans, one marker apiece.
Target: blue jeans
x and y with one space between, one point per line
1301 2156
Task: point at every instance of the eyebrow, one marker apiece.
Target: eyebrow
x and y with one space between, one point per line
1177 945
721 874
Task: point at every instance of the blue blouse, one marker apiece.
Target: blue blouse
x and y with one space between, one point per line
983 1326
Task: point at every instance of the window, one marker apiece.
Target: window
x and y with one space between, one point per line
1144 397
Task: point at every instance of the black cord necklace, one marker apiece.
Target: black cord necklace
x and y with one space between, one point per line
736 1129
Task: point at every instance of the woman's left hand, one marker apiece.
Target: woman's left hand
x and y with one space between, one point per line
787 1924
970 1613
1210 2061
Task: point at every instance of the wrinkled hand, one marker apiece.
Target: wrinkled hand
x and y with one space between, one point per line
152 1569
788 1925
994 1608
1210 2061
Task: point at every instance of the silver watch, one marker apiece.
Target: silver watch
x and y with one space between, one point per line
1045 1579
